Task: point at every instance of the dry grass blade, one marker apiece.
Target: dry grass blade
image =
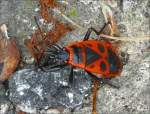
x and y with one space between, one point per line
127 39
68 19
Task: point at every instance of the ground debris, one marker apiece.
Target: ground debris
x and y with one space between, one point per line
40 40
44 9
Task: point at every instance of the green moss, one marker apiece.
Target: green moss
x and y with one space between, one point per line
73 12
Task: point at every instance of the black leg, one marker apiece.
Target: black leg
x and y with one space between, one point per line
94 76
58 46
54 68
104 81
53 49
71 76
59 66
88 33
108 82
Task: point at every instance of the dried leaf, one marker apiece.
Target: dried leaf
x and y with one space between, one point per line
9 54
10 57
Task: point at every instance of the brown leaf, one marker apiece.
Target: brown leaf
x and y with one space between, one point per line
10 57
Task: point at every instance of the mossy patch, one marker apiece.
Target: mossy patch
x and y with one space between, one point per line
73 12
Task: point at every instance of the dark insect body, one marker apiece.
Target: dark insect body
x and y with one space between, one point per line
99 58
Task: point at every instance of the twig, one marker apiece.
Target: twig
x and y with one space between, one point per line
68 19
42 35
137 39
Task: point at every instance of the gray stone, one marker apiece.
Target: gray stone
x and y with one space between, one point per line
38 89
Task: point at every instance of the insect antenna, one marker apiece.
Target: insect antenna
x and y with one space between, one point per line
51 52
58 46
58 66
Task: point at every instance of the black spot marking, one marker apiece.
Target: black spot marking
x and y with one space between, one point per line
113 60
91 56
101 48
103 66
78 58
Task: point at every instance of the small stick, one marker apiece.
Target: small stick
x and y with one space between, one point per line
95 90
137 39
38 27
68 19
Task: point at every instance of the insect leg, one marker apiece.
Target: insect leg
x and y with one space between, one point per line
88 33
108 82
59 66
54 68
71 76
104 81
58 46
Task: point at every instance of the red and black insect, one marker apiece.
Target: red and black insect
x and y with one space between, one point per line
97 58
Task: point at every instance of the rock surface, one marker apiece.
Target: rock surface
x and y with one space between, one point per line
133 19
36 89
